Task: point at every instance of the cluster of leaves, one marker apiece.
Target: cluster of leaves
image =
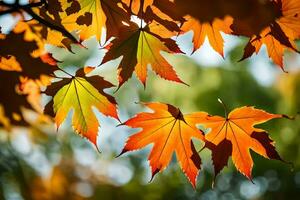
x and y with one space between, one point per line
274 23
170 131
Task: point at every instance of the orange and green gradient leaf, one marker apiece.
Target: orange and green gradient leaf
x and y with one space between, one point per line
81 94
170 132
139 48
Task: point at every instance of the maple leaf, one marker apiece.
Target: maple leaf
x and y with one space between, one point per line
11 101
32 32
279 35
43 35
165 11
26 58
235 135
139 48
252 14
274 23
115 17
21 93
81 93
154 11
170 131
211 31
84 15
274 47
25 72
210 17
151 10
46 24
90 16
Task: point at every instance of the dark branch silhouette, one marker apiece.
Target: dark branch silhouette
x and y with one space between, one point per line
17 7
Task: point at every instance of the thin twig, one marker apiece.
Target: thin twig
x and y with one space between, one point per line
17 7
50 25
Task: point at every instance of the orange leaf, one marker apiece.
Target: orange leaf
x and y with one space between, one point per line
211 31
170 131
25 72
279 35
136 6
139 48
235 135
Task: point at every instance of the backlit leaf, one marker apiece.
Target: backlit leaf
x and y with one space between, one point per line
81 94
235 135
140 48
170 132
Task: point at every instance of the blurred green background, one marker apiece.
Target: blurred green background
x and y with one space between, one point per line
39 163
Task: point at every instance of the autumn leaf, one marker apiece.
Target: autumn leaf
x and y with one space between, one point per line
11 101
89 17
235 135
81 93
10 63
85 16
148 11
32 33
139 48
136 7
25 72
274 47
27 58
115 17
47 25
211 31
21 93
170 131
279 35
253 15
250 15
273 23
160 11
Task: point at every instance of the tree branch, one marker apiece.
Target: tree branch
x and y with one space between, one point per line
50 25
16 7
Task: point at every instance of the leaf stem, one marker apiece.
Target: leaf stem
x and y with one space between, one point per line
67 73
224 106
142 13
